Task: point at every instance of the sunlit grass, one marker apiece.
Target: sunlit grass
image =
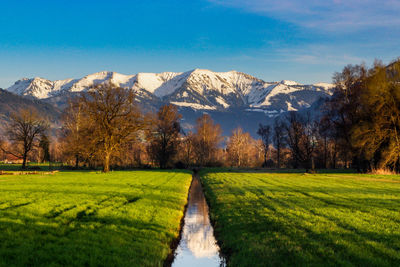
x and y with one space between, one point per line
265 219
126 218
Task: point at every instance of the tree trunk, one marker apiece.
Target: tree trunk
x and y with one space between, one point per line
334 157
106 167
334 161
325 153
76 161
279 157
312 164
265 158
24 161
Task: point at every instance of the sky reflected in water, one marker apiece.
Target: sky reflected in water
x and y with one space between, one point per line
198 246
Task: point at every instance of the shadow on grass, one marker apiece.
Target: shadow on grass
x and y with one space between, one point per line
284 223
89 241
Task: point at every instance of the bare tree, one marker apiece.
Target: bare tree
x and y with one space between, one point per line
301 139
112 119
264 131
279 139
206 140
24 131
163 135
186 148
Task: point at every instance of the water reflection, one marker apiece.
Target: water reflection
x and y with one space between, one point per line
198 246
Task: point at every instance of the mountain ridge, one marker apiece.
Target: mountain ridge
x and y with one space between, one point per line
199 89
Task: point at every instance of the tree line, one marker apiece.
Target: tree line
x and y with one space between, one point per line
358 127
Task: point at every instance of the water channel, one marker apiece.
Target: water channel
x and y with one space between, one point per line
198 246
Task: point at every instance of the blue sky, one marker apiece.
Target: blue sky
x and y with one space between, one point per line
297 40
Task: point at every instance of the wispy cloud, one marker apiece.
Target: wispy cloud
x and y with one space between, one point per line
331 15
320 55
307 55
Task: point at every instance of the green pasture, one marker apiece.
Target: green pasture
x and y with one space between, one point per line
294 219
124 218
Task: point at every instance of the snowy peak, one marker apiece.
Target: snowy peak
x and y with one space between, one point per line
160 84
199 89
37 87
224 82
290 83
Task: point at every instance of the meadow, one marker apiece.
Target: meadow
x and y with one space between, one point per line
295 219
123 218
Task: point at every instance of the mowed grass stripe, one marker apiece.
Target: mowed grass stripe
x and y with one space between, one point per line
126 218
265 219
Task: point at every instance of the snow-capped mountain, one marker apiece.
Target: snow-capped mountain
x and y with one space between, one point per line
196 89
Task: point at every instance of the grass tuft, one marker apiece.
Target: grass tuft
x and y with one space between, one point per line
382 171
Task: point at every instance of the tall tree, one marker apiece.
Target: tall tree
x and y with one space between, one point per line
326 133
364 112
264 131
75 125
343 108
279 139
301 139
206 140
24 131
163 135
113 118
377 133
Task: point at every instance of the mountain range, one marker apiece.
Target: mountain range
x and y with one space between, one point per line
232 98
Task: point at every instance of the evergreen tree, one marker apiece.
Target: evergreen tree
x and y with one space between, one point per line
44 145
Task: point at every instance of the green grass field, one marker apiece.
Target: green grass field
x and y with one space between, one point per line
269 219
90 219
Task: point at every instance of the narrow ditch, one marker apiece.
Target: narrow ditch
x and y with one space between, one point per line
197 245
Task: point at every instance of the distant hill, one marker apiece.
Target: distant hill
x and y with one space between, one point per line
10 103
